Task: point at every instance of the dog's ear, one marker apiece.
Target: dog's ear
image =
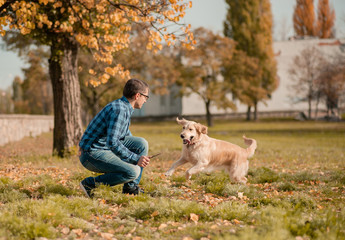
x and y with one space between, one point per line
201 128
182 121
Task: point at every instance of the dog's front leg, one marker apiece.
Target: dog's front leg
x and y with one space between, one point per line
178 163
195 169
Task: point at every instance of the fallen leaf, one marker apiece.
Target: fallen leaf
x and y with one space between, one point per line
236 221
155 213
162 226
107 235
65 230
194 217
78 231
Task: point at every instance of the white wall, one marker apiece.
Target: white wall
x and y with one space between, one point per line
14 127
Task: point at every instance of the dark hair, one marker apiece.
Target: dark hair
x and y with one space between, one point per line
134 86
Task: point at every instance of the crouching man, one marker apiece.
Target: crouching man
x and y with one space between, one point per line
108 147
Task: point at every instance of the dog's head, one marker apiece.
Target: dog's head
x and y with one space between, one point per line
191 131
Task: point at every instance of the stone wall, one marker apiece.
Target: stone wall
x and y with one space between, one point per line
14 127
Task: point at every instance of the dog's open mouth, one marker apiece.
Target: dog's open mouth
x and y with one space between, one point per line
188 141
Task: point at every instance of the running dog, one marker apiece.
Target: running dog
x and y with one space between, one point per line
208 154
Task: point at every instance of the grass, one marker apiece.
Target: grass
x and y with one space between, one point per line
295 189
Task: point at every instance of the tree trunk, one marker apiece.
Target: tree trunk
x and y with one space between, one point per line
317 106
309 108
63 72
208 114
256 112
248 113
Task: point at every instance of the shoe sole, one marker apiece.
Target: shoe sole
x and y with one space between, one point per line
84 190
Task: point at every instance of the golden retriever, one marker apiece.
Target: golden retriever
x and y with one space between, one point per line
208 154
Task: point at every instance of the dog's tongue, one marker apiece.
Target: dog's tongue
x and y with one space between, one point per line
186 141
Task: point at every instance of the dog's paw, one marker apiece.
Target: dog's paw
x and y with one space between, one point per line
188 176
168 173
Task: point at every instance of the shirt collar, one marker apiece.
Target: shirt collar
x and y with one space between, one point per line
125 100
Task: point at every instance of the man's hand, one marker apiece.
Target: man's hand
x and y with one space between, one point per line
144 161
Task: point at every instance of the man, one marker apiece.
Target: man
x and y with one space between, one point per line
108 146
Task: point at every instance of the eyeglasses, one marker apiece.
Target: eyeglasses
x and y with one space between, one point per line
147 97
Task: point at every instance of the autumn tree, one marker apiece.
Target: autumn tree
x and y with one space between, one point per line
6 102
36 87
201 70
304 73
304 18
156 68
331 82
93 97
17 95
242 73
305 23
104 27
249 23
325 19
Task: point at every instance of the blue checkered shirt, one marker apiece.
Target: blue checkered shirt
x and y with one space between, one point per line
107 130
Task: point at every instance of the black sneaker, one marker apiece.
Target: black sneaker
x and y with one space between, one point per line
135 190
86 189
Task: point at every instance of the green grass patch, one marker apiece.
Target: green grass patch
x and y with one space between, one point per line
295 189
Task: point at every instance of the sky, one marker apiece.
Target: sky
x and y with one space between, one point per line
204 13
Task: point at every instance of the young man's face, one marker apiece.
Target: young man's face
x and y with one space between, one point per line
142 97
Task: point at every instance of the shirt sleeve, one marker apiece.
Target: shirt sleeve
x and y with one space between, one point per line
117 125
128 133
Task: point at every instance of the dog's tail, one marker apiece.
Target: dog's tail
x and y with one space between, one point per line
252 146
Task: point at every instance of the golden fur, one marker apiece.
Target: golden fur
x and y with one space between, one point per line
208 154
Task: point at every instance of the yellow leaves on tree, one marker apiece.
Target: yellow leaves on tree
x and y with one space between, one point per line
118 70
325 19
102 26
304 19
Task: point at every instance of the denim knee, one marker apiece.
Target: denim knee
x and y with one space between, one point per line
144 145
133 173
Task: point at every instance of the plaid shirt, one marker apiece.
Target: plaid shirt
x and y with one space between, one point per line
107 130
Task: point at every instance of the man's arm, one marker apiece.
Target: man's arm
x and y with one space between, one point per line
117 127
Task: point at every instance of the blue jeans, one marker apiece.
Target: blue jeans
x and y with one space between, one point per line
116 171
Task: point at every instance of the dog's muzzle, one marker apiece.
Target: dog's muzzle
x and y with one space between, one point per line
187 141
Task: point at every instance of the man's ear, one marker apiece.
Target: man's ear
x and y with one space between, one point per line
137 96
201 128
182 121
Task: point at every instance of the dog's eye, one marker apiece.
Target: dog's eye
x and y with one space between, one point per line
183 128
190 129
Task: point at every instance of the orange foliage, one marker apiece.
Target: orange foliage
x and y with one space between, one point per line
325 19
103 26
304 18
